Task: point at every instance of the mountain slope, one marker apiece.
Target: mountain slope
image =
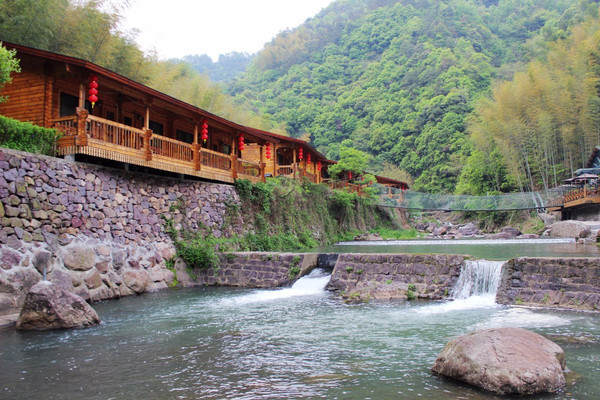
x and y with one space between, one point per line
398 78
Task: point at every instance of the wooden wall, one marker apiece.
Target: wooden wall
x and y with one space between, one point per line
28 95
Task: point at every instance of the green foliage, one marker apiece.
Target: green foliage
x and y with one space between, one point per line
27 137
199 253
398 234
8 65
398 80
287 215
352 160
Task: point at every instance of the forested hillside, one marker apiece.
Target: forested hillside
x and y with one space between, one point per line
398 79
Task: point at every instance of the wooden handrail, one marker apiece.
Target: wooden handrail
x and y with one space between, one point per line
249 168
215 159
114 133
167 147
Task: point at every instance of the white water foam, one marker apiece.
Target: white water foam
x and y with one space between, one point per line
476 287
522 318
311 285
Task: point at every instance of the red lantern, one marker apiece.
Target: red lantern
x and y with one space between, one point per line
204 131
93 91
349 174
319 166
308 158
300 154
241 143
268 151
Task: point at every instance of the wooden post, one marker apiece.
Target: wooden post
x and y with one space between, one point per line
196 150
263 178
233 159
295 166
81 95
275 160
147 118
82 134
147 143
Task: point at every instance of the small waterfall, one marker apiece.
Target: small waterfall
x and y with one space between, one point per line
312 284
476 288
478 278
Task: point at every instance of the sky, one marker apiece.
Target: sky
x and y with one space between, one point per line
175 28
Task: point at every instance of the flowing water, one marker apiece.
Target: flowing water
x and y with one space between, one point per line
298 342
489 249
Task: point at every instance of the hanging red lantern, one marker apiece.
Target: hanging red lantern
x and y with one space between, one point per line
241 143
204 130
319 166
349 174
268 151
93 91
308 158
300 154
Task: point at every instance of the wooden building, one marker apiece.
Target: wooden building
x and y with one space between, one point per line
135 126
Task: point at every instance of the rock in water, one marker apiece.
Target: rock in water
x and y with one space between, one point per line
48 306
504 361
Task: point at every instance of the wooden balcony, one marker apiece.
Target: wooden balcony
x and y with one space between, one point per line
93 136
581 196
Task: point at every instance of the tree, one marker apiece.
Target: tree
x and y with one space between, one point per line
351 159
8 65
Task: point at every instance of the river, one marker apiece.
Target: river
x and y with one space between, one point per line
299 342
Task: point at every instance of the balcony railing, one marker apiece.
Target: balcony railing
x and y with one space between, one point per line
171 148
87 134
114 133
215 159
247 168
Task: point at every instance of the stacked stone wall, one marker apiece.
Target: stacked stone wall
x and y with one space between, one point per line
572 283
96 231
361 277
248 269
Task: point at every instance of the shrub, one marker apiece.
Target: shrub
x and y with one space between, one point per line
25 136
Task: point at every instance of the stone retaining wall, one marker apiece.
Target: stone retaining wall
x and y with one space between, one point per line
246 269
96 231
359 277
572 283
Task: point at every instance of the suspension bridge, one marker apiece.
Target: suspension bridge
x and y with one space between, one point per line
556 199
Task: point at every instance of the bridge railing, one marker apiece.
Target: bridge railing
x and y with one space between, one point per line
408 199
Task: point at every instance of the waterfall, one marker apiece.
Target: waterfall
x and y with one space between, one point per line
478 278
311 285
476 288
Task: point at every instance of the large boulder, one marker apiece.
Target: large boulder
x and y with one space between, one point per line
570 229
49 306
504 361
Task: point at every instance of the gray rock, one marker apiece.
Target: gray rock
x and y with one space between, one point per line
504 361
136 279
469 229
47 306
79 258
570 229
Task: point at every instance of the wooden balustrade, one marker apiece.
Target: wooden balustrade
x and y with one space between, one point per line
285 170
66 125
167 147
215 159
98 137
114 133
249 168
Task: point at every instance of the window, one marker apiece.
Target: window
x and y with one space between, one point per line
156 127
110 115
184 136
226 149
68 104
128 121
